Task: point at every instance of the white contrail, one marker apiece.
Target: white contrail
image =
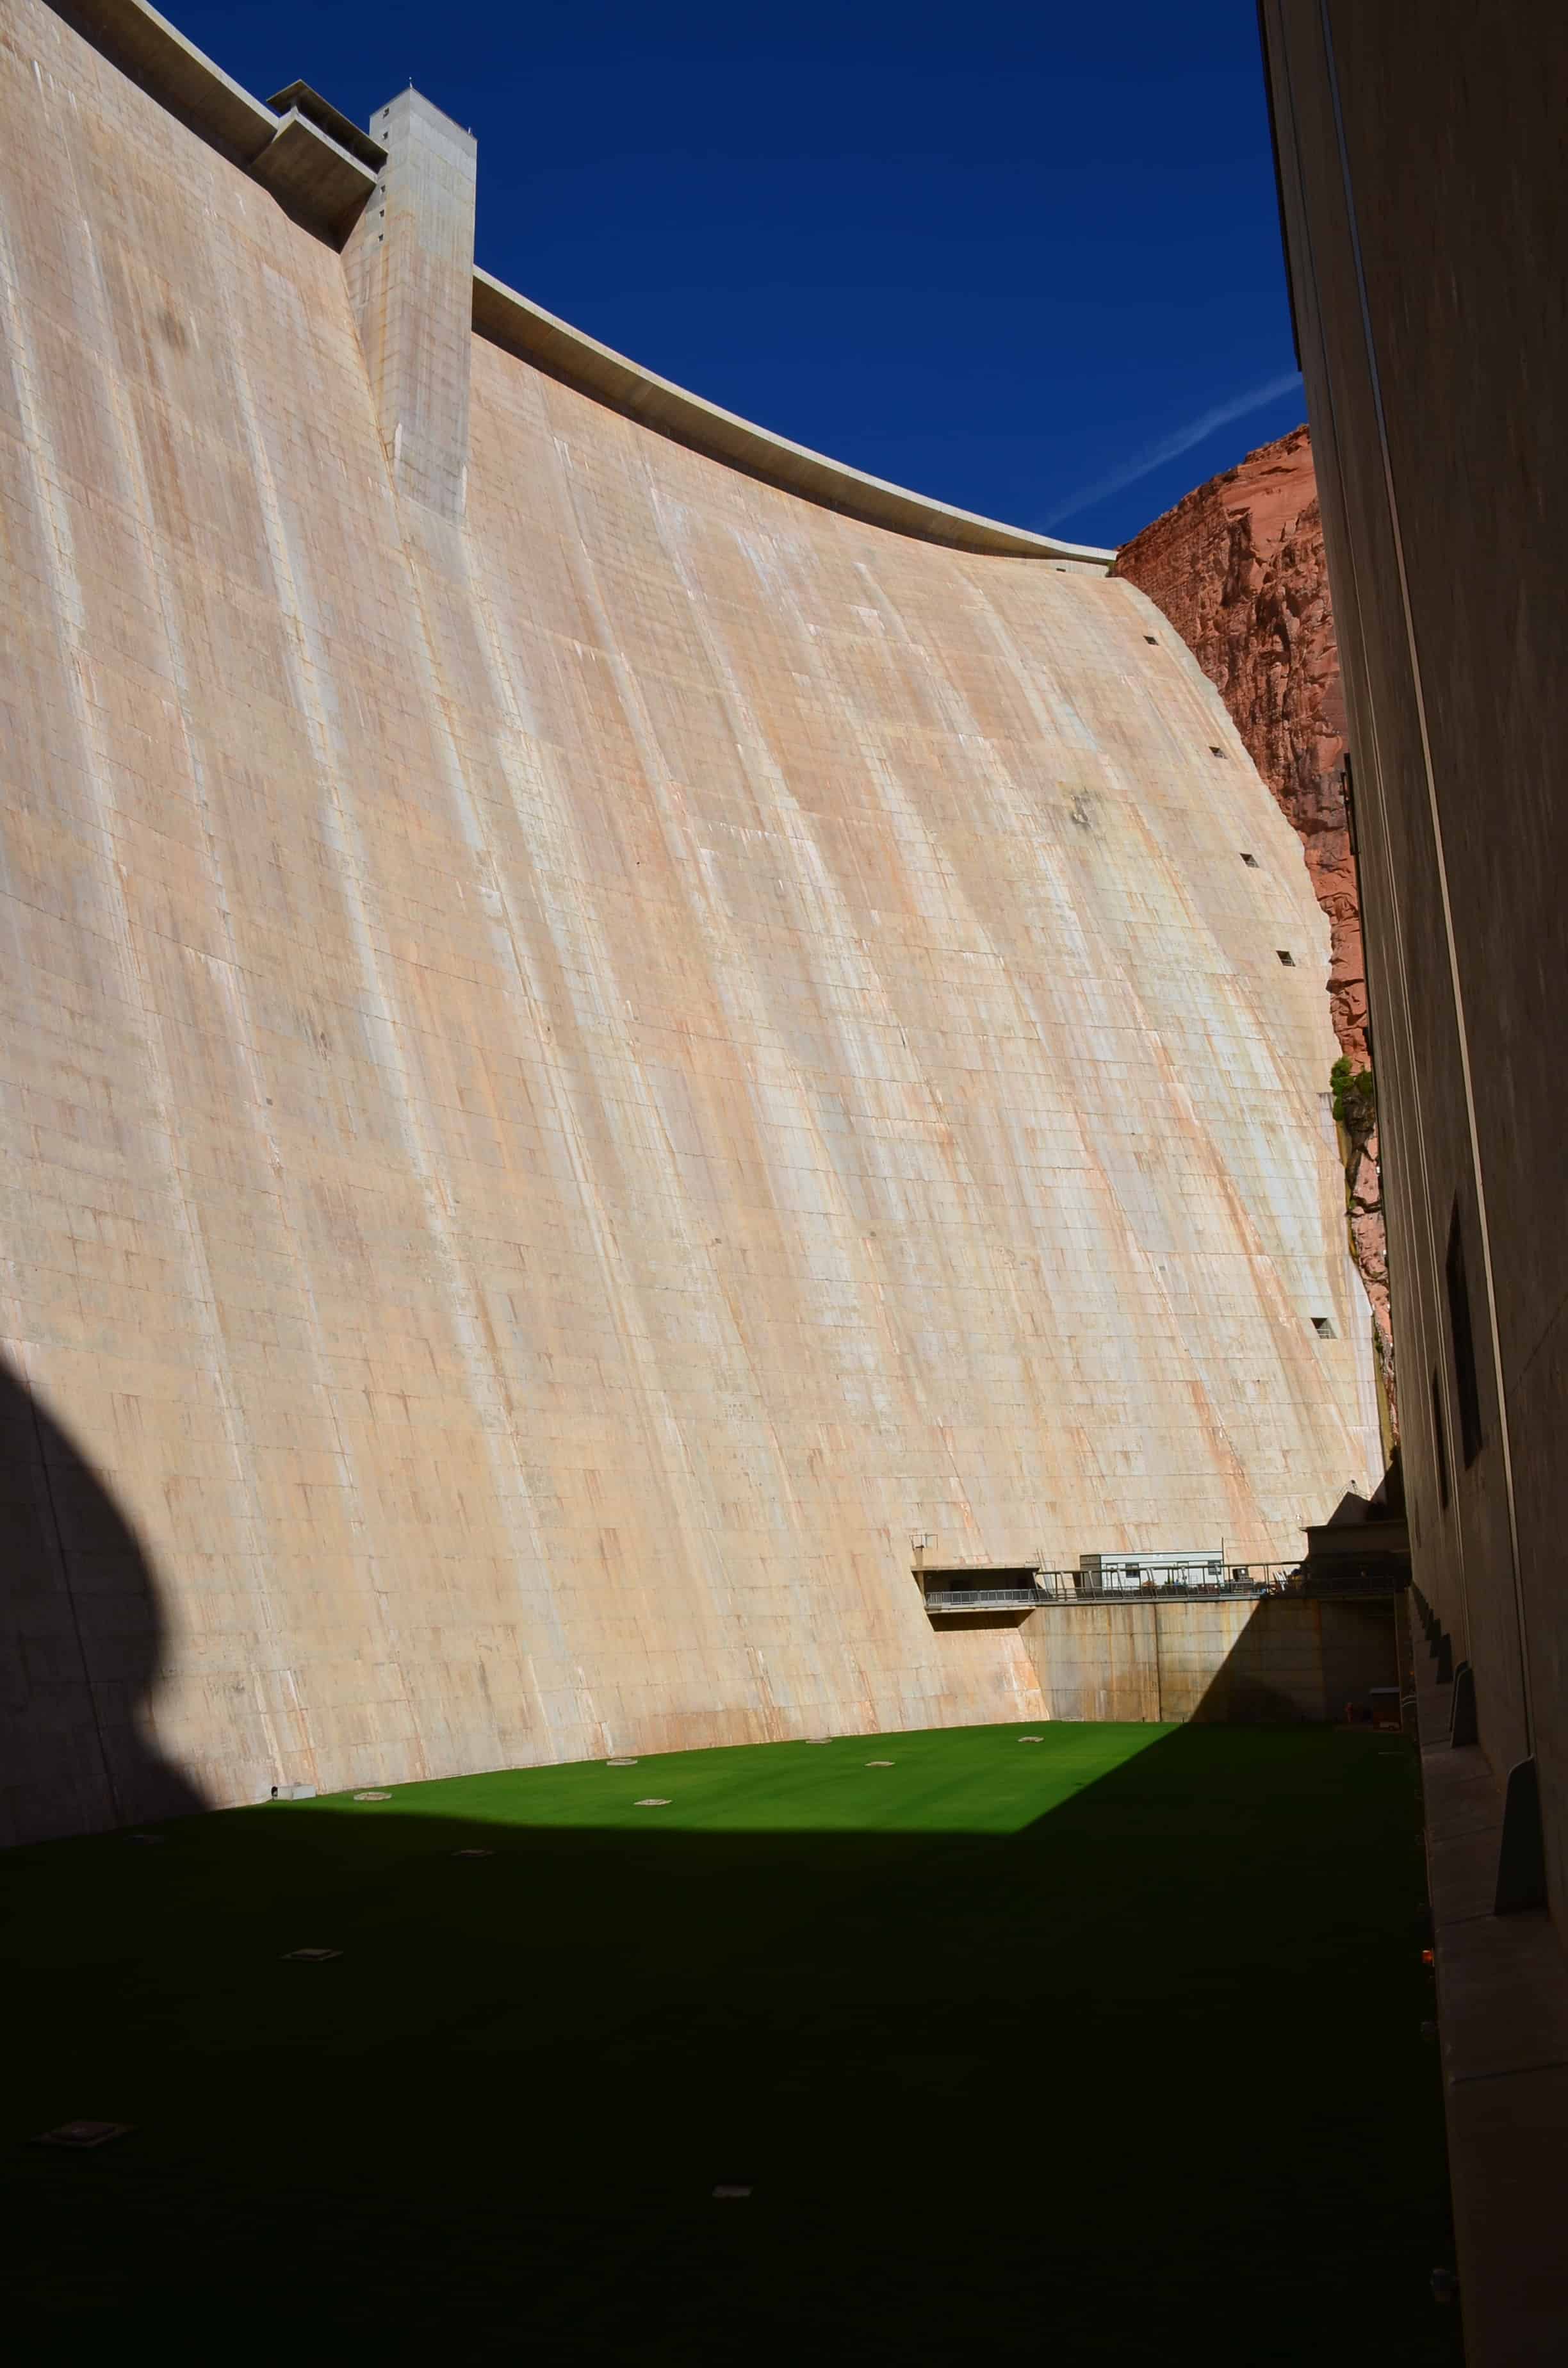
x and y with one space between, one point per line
1170 447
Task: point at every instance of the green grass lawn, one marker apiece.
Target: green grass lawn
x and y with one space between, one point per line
1102 2048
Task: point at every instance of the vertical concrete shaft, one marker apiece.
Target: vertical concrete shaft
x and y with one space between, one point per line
410 267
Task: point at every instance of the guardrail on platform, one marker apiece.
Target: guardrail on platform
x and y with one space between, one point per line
1238 1580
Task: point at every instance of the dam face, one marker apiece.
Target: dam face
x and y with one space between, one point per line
592 1045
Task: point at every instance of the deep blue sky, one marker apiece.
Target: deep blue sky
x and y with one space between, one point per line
1001 252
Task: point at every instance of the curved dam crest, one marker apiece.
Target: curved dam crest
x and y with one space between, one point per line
591 1044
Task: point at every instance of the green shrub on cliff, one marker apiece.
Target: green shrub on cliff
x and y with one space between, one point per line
1355 1098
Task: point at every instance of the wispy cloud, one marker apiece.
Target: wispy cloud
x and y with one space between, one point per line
1170 448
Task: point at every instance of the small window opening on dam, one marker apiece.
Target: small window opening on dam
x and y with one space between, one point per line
1287 959
1323 1328
1250 861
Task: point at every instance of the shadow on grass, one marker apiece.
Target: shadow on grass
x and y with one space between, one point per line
1141 2076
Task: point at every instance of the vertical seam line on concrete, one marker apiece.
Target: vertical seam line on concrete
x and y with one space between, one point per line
1418 688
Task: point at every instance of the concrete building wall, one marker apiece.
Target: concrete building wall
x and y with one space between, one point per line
587 1049
1406 133
1421 168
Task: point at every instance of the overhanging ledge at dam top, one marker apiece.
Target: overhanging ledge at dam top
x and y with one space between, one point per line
323 170
527 329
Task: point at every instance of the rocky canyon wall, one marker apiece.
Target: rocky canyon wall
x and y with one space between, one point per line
1238 568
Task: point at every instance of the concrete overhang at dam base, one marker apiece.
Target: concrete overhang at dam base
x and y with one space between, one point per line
606 1020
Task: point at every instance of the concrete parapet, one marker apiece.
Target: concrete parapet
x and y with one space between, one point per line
154 54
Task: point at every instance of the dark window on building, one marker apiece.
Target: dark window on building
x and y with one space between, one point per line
1251 861
1289 960
1149 639
1465 1377
1323 1327
1213 751
1439 1443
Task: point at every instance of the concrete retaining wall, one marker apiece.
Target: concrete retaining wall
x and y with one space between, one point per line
1253 1662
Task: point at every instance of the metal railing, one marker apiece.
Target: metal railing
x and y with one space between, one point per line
1237 1580
986 1599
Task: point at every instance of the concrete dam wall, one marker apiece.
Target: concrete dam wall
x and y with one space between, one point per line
604 1023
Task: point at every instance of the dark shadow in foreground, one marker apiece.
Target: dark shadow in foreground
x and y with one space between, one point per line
80 1636
1143 2080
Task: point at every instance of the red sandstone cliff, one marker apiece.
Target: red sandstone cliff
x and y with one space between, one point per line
1238 568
